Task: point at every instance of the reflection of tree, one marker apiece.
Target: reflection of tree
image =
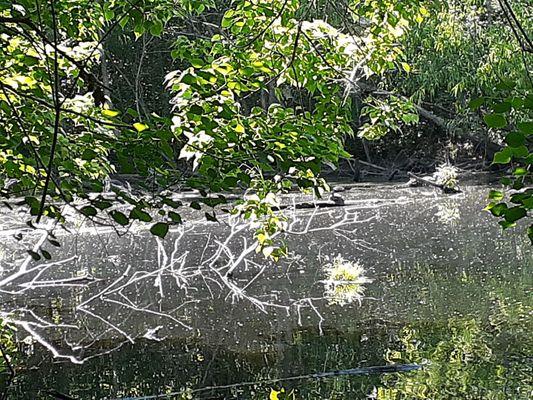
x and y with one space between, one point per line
466 358
8 352
185 365
145 299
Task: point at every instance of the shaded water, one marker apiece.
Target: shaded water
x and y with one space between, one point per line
449 291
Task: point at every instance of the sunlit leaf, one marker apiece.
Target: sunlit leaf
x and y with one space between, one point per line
110 113
140 127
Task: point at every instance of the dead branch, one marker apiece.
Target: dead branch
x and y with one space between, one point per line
445 189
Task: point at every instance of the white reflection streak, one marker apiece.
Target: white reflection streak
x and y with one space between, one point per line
218 260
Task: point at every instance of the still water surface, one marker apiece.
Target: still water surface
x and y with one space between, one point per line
131 316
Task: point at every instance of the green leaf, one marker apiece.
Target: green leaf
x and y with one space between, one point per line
54 242
102 204
137 213
514 214
33 203
89 154
495 195
506 84
229 182
88 211
502 157
226 21
498 209
474 104
160 229
528 203
195 205
507 225
175 217
520 171
109 15
496 121
46 254
520 151
410 118
214 201
515 139
124 21
34 255
197 63
172 203
119 218
502 107
132 112
211 217
157 28
525 127
196 109
506 181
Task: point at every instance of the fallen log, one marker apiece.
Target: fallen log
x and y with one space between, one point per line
442 123
373 165
445 189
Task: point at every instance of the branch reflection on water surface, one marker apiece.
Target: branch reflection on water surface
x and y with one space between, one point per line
165 294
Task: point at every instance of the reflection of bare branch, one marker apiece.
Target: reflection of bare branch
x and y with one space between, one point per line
201 263
39 322
24 266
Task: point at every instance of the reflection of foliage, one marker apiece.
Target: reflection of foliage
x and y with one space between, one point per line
468 360
344 283
280 394
448 213
7 351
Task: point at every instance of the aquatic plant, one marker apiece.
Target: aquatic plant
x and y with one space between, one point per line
345 281
446 175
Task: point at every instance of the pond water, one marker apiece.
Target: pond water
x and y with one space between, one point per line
132 316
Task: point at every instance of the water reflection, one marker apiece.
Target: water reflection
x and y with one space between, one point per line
149 317
345 281
466 358
448 212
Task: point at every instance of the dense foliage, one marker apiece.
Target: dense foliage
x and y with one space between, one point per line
266 93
